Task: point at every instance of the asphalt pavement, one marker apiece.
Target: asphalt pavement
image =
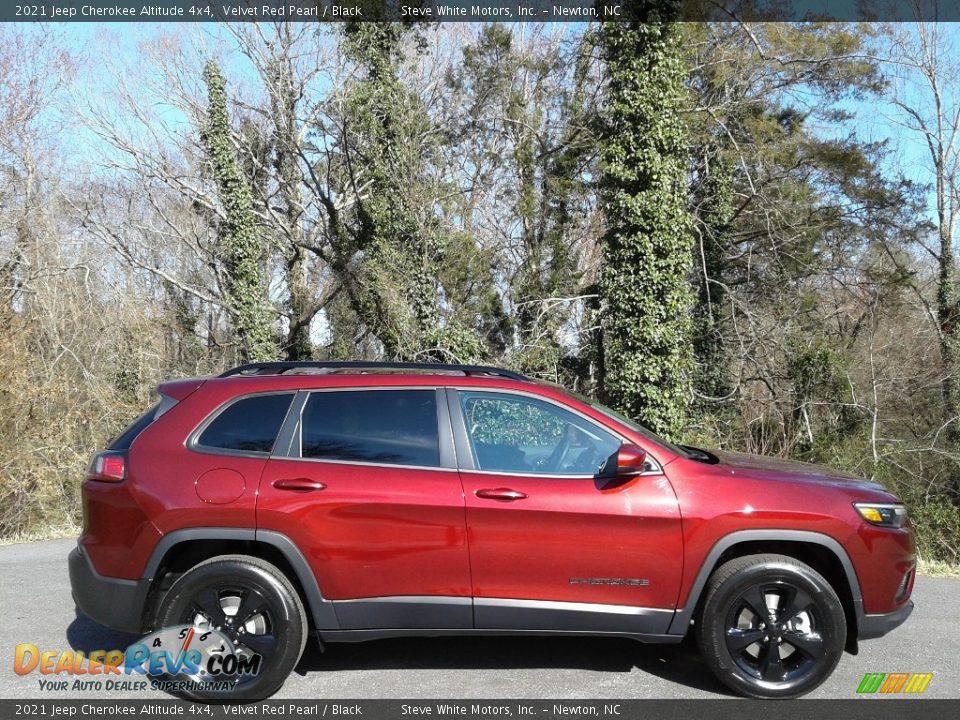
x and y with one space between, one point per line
36 607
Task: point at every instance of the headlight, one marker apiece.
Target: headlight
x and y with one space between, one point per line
883 514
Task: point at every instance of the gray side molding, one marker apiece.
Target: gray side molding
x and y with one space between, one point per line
681 620
439 612
324 615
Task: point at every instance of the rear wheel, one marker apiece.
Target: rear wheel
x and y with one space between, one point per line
253 605
771 626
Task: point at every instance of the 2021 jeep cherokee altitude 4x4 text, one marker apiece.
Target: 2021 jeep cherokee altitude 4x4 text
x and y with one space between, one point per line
365 500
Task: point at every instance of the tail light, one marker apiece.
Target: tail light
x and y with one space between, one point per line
108 467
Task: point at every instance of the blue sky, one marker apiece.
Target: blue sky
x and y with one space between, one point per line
95 44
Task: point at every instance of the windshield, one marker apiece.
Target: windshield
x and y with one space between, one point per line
614 415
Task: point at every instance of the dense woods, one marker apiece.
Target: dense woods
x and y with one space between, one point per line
690 221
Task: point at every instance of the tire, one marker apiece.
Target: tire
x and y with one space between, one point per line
274 617
784 648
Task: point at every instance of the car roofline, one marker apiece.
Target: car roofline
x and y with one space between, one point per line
365 367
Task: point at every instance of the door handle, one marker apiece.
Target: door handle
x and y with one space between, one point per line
299 484
504 494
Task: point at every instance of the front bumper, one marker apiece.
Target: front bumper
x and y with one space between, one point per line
874 626
115 603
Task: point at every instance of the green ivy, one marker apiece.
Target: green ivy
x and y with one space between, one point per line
396 294
242 248
647 245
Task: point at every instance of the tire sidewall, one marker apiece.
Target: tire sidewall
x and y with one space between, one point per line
289 629
831 626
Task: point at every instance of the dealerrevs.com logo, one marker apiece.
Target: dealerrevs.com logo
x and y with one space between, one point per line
893 683
175 659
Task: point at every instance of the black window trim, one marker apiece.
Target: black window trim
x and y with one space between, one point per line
294 440
192 443
465 451
150 416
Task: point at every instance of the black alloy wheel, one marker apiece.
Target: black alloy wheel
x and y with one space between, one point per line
772 632
771 626
254 606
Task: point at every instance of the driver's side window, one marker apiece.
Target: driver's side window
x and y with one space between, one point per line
514 434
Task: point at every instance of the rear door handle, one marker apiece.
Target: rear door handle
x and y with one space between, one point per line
503 494
299 484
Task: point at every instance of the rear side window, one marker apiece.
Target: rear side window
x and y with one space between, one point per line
126 438
248 425
390 427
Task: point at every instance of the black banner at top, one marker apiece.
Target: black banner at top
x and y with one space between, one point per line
476 10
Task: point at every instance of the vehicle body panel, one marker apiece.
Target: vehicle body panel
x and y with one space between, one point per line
570 540
373 531
718 500
392 537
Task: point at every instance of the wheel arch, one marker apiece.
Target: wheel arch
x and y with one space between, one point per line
180 550
822 552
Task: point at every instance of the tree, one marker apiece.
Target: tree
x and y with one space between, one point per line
713 210
647 245
927 96
243 251
523 102
290 61
388 142
781 208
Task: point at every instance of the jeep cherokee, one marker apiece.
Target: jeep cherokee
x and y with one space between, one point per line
354 501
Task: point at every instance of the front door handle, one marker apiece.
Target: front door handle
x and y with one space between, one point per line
504 494
299 484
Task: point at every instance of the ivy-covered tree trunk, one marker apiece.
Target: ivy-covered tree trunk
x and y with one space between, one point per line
242 249
647 245
395 295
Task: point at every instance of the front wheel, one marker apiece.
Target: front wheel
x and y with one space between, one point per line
771 626
252 605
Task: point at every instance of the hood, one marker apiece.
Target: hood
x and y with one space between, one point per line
759 465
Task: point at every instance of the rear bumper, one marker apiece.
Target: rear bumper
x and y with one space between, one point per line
874 626
115 603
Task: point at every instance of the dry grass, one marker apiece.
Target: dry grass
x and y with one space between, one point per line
53 532
936 568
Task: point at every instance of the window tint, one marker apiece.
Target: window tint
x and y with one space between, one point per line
395 427
509 433
250 424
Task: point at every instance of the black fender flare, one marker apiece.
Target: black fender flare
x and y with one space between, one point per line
322 610
683 616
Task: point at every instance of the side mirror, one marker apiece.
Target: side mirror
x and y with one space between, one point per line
628 461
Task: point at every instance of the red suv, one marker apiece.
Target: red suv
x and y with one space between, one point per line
355 501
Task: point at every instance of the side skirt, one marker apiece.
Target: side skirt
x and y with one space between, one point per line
420 615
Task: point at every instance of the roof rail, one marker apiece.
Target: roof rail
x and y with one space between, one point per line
279 368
